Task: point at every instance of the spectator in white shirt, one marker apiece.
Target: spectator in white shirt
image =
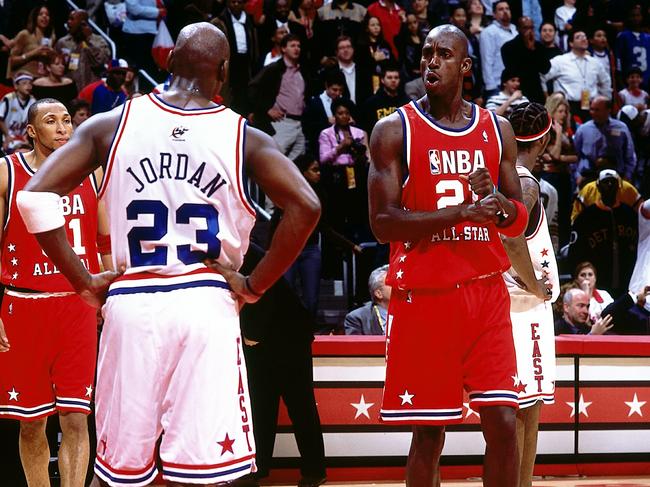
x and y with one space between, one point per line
579 76
493 37
563 16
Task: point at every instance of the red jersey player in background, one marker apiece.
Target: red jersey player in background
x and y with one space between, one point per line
48 333
432 197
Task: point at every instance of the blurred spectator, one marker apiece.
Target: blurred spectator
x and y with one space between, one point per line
473 80
33 45
372 50
338 18
358 84
632 45
104 95
55 85
344 157
563 16
549 197
638 121
389 97
575 317
276 49
138 32
280 91
532 10
631 313
85 53
558 160
606 234
371 318
318 110
526 57
599 49
306 14
242 38
493 37
633 94
584 278
641 274
547 36
79 111
391 16
604 137
278 16
591 15
414 89
13 112
409 45
477 19
419 8
579 76
589 195
509 97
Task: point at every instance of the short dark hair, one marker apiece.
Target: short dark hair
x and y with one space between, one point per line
288 38
494 4
34 108
78 104
547 23
386 67
303 161
573 33
508 74
634 70
342 102
342 38
334 77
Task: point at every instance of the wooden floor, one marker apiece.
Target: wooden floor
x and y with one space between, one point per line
545 482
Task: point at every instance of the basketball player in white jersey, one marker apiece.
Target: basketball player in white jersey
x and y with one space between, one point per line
532 283
170 362
641 274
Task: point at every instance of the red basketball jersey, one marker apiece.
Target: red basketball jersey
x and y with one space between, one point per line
436 158
24 264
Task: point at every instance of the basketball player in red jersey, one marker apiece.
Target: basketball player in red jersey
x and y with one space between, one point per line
433 198
48 333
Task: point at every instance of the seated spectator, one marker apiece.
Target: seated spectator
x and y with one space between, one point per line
389 97
633 94
589 195
318 110
579 76
575 317
372 50
33 45
606 234
104 95
409 44
584 278
631 313
511 96
13 112
371 318
391 17
79 111
55 85
85 53
604 136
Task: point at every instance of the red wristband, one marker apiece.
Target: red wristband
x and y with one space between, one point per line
517 226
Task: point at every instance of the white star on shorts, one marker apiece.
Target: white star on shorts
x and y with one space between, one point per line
13 395
406 397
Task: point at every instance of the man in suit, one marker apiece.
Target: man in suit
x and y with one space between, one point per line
358 81
370 319
244 54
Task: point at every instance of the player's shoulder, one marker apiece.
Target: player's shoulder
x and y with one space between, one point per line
391 125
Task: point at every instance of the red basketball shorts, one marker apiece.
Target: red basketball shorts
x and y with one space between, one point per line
51 363
440 342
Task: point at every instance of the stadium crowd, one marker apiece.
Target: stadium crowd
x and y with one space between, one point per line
317 76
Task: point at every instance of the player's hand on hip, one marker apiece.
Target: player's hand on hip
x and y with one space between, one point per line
235 280
543 289
4 341
480 182
95 291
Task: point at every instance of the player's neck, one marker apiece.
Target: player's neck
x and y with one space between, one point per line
445 108
35 158
189 91
526 159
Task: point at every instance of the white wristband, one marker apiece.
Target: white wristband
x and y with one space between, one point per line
41 211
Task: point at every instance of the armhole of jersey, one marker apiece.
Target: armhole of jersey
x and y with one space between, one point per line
5 102
497 131
242 178
10 190
406 145
113 147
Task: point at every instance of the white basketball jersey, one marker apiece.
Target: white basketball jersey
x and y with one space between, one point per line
641 275
175 189
540 248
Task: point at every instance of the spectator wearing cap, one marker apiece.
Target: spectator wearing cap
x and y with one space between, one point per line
510 95
604 137
606 234
527 58
104 95
13 112
493 37
139 30
85 53
633 94
579 76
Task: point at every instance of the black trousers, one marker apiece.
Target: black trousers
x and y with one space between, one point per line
285 372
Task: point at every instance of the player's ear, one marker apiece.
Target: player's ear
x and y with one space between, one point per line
466 65
31 131
222 73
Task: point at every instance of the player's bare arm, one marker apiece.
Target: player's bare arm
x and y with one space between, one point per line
4 177
389 221
280 180
62 172
517 248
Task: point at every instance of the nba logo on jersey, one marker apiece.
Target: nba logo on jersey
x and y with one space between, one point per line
434 161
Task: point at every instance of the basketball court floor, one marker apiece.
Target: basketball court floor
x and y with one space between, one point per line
546 482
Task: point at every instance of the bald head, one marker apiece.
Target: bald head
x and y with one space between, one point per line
200 48
450 32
